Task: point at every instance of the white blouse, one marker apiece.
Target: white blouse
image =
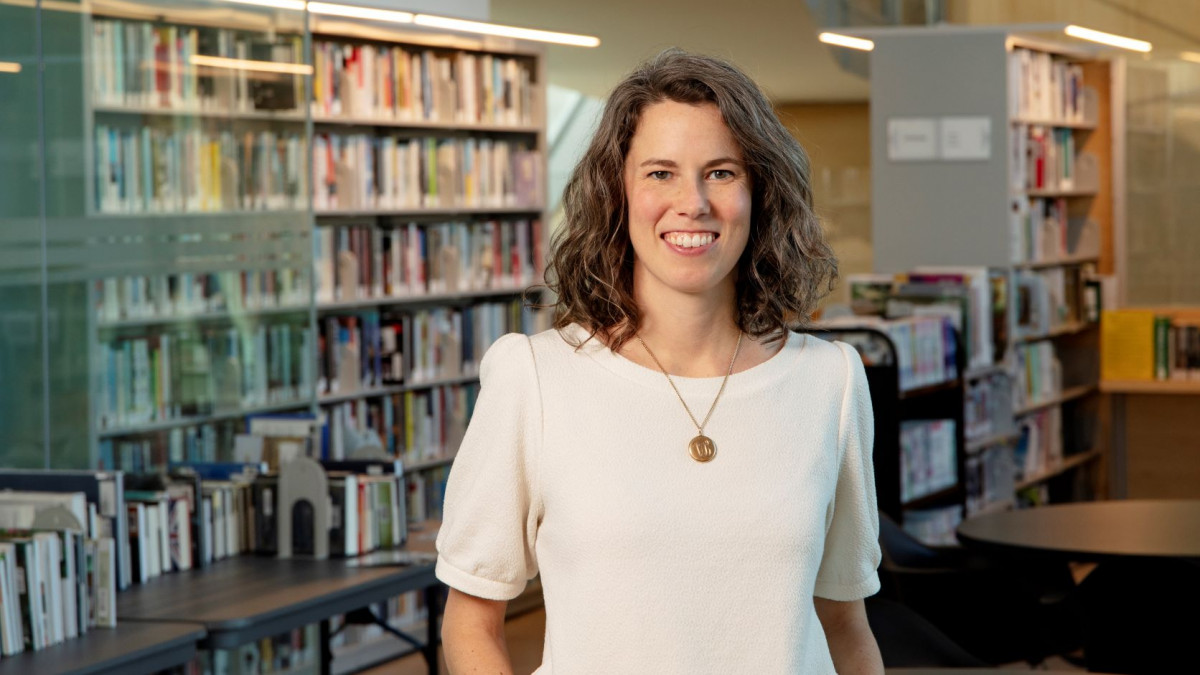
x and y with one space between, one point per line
576 465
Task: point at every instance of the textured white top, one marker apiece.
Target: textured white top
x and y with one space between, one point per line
576 464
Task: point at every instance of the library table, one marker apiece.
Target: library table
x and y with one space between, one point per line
246 598
132 648
1104 531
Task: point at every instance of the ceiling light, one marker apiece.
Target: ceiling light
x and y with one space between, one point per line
1108 39
244 64
297 5
354 12
1194 57
448 23
9 67
846 41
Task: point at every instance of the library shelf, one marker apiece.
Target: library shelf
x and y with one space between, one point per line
443 459
132 648
203 113
948 385
1089 192
1068 463
975 445
932 498
431 211
985 371
200 317
1069 394
994 507
1083 125
1065 329
235 413
398 388
1150 386
377 651
174 216
1058 262
418 299
383 122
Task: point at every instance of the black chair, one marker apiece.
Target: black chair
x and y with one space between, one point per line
907 640
1002 612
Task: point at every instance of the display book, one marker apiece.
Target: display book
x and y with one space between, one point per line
1150 350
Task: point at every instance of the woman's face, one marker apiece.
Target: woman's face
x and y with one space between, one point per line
689 199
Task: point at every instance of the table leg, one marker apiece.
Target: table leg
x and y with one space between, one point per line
326 651
433 602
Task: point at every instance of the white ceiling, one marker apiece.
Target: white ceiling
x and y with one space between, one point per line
775 41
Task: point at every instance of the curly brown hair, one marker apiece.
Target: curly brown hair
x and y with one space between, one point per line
787 266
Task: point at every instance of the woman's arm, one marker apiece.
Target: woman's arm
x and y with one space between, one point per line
851 643
473 635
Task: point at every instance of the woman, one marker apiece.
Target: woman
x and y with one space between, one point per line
692 480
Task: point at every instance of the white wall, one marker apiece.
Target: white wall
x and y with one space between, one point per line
463 9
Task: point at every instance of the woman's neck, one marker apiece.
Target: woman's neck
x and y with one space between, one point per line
692 335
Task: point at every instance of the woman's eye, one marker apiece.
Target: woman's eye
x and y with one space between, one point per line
660 175
722 174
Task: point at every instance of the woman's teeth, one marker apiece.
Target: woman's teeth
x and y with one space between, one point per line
689 240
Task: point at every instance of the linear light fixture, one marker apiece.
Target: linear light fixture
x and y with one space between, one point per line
355 12
846 41
296 5
1194 57
1108 38
9 67
245 64
485 28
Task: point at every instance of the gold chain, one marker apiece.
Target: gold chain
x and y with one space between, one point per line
699 426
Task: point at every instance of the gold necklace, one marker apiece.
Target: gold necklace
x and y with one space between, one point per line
701 448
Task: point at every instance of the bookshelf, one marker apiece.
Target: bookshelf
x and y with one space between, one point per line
1019 142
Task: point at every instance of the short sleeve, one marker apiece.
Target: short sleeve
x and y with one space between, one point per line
850 563
492 505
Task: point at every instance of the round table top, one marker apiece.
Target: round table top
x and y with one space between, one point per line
977 671
1105 530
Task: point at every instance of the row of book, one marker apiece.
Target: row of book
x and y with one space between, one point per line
925 346
1044 158
1042 87
426 493
55 584
188 294
364 171
149 65
369 349
184 372
1040 448
1052 298
294 651
361 262
1176 349
1037 373
928 457
990 479
190 168
151 451
414 426
364 81
934 526
987 407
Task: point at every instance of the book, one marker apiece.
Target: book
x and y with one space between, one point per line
1127 344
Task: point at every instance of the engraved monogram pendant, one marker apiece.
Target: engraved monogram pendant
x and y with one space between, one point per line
702 448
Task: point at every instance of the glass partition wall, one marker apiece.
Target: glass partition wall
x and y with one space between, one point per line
155 229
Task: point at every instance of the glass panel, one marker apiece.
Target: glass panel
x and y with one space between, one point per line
179 244
22 394
1162 243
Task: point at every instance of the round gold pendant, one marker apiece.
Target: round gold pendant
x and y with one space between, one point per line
702 448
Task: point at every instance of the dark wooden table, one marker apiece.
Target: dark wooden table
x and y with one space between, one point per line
1123 530
247 598
132 648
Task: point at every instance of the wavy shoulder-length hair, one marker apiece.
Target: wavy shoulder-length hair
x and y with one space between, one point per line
787 266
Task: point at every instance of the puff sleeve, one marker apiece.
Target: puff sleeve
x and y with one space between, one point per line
492 505
851 559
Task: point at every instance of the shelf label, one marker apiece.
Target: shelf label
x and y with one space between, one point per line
966 139
912 139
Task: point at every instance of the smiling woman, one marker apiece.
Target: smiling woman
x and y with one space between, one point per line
691 479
